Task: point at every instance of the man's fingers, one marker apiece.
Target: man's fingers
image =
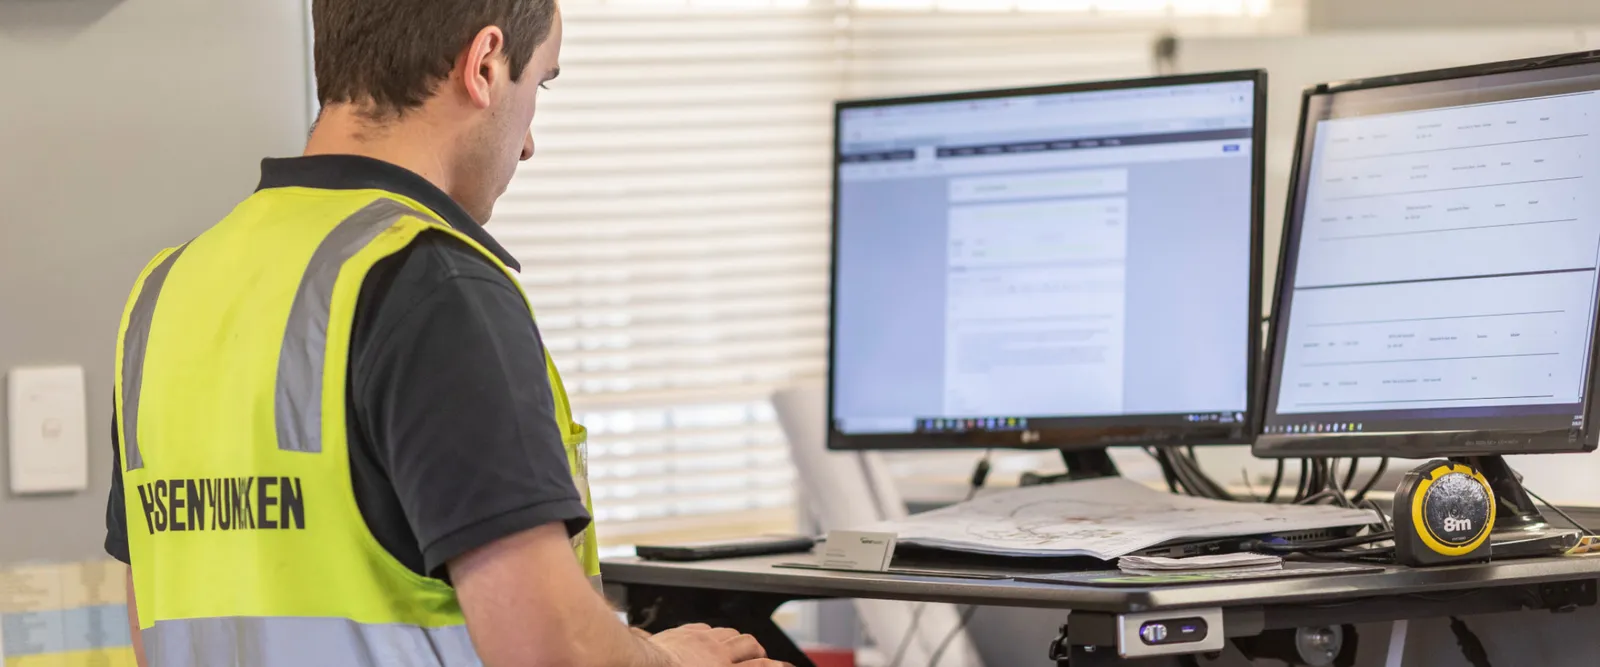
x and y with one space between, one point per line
722 634
744 648
639 633
763 662
694 626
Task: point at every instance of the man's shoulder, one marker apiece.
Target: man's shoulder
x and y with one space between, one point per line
432 260
437 253
409 288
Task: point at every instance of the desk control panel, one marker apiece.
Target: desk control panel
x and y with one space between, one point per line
1180 631
1169 633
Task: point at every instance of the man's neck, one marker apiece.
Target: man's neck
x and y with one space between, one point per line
411 143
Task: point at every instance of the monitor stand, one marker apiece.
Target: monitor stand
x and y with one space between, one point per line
1081 464
1520 529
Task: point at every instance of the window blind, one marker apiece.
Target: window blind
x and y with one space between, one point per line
674 224
673 230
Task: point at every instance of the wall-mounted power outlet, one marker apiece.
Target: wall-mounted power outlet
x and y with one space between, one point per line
48 437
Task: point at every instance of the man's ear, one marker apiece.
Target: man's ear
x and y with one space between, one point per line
481 65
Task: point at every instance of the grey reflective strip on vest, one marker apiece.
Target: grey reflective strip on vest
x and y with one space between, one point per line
298 401
135 340
304 642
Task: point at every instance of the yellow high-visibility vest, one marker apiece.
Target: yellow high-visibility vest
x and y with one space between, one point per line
246 542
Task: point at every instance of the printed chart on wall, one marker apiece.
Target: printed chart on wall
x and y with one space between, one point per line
64 615
1447 259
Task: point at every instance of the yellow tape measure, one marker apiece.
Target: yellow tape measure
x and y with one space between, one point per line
1444 513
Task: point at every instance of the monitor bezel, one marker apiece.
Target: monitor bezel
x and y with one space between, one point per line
1404 444
1084 432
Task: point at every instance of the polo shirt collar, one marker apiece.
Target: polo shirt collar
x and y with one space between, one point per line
356 172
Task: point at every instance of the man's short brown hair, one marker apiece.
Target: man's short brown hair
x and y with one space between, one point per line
388 57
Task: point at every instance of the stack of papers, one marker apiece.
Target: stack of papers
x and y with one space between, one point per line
1103 518
1230 562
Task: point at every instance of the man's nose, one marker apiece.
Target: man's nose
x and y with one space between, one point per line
527 145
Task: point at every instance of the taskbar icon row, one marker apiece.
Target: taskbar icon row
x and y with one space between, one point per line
1294 429
970 425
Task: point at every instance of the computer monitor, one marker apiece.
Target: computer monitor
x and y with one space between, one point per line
1437 286
1064 267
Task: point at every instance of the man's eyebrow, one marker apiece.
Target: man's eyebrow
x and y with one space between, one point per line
554 72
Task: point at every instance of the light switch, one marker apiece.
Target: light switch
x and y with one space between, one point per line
48 436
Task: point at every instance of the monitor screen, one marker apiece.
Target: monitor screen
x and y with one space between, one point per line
1049 266
1439 269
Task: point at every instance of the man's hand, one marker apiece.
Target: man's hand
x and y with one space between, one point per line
700 645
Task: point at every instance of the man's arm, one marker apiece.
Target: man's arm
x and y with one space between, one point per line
133 624
450 385
528 603
116 543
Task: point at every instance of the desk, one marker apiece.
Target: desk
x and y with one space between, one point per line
743 593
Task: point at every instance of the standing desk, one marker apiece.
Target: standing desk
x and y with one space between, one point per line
743 593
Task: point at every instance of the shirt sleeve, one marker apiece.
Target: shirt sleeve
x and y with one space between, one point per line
457 403
116 544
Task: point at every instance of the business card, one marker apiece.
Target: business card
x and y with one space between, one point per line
857 550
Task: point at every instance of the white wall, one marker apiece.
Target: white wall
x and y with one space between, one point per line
1366 14
124 127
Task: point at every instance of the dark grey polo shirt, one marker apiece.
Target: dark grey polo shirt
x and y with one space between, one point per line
452 427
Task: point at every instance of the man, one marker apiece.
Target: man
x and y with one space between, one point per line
339 439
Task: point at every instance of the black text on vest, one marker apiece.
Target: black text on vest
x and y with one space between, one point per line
223 503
